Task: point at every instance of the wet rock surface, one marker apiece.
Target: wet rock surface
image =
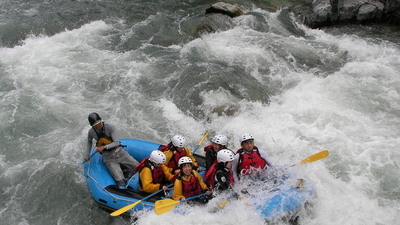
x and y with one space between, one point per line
323 13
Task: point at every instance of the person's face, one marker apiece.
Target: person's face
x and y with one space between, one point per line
187 169
248 145
98 126
229 164
216 147
179 149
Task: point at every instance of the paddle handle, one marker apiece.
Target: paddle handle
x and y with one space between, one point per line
89 157
201 141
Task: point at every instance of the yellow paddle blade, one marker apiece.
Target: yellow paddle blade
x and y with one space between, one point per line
124 209
165 205
223 204
315 157
204 137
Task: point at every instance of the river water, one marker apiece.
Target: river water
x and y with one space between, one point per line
144 66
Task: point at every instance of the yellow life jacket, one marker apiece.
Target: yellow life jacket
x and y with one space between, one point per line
103 141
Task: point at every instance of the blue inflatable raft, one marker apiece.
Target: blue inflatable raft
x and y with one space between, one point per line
271 205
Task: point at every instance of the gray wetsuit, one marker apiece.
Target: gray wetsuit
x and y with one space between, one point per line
114 156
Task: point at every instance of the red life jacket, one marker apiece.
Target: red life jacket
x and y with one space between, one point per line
209 178
249 161
174 178
173 162
190 188
207 147
211 156
157 173
165 147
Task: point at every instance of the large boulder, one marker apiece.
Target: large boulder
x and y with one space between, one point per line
219 17
232 10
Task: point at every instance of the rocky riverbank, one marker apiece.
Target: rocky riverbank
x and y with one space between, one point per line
323 13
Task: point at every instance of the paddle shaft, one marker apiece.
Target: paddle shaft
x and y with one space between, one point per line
96 152
130 206
201 141
89 157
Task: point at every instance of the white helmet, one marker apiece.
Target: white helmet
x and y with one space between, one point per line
245 137
158 156
225 155
184 160
178 141
220 139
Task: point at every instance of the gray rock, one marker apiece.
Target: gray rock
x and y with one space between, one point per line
214 23
370 12
330 12
232 10
313 13
322 10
